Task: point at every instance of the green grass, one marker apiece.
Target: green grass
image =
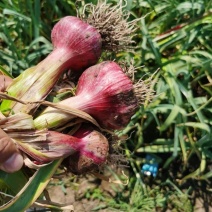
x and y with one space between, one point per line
142 198
175 37
181 111
26 29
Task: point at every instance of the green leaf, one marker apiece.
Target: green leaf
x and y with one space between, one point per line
176 110
12 12
32 190
14 181
202 126
4 71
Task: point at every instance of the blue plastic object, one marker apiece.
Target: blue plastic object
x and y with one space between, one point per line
150 168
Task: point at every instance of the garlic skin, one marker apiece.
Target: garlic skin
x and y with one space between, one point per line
92 155
108 95
77 45
82 40
79 164
104 92
46 146
87 141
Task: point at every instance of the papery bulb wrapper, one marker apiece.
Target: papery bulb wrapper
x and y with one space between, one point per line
51 145
93 155
108 95
77 45
80 38
104 92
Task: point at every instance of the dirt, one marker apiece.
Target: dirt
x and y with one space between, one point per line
77 195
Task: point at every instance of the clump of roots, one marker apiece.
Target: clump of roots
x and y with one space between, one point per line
116 161
143 89
117 158
112 23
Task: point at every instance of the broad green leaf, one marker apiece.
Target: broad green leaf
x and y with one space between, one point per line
206 176
14 181
16 90
198 171
4 71
12 12
202 126
157 149
32 190
176 110
188 94
174 87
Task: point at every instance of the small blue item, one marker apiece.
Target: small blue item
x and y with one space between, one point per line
150 167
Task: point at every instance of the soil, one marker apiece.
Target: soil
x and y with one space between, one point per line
76 196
